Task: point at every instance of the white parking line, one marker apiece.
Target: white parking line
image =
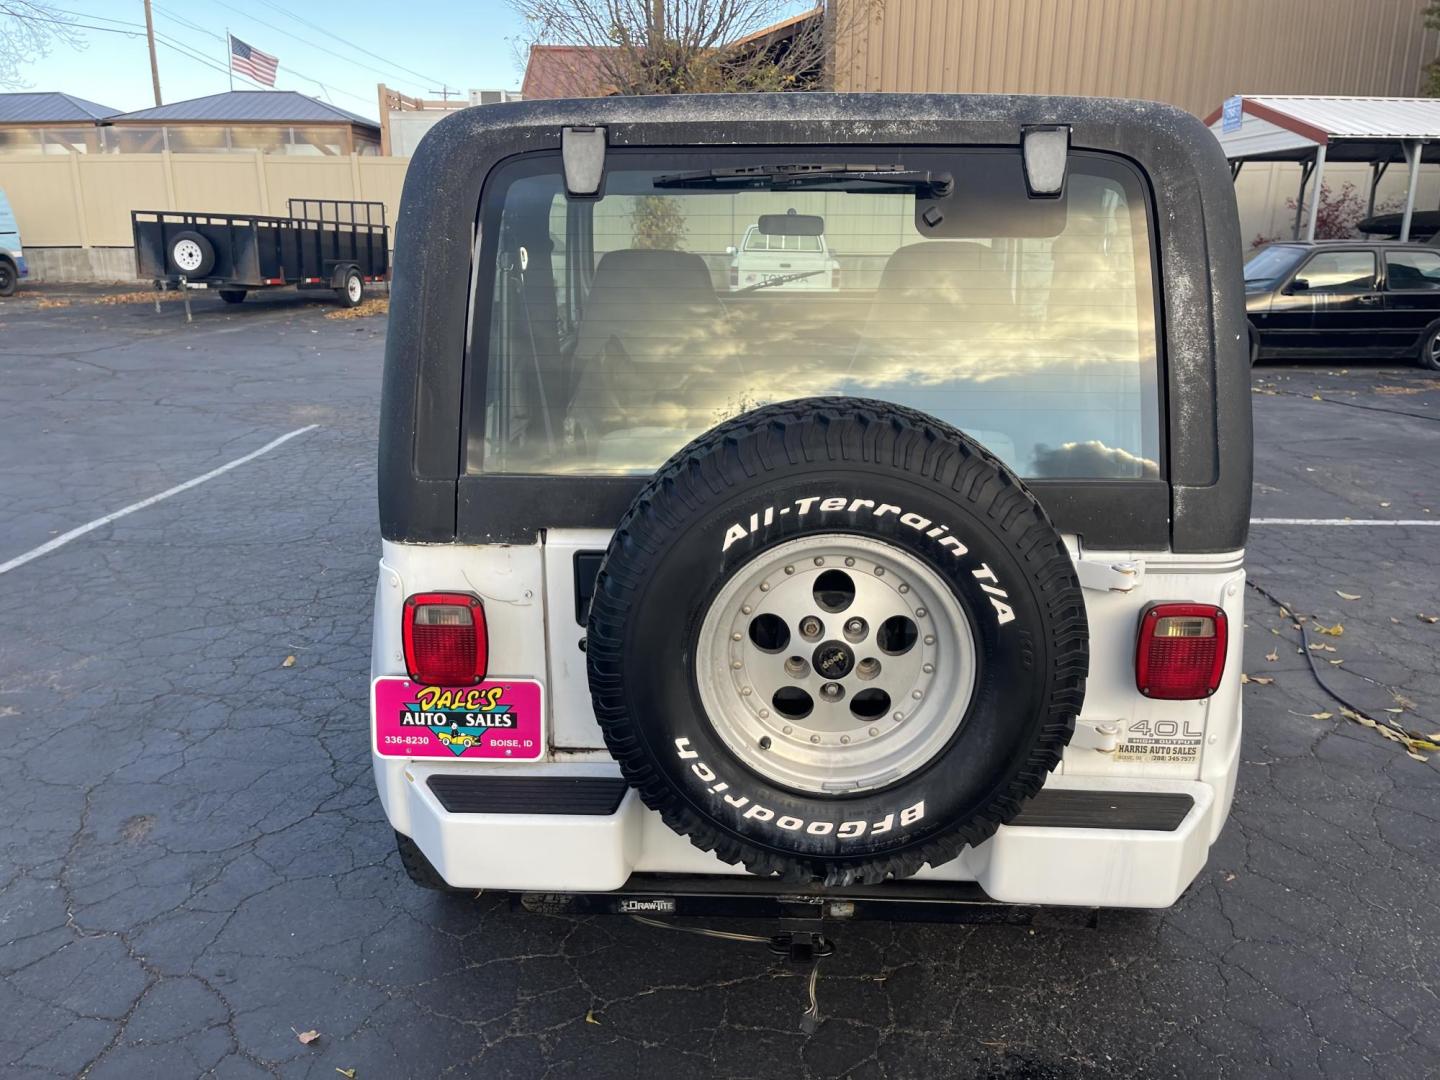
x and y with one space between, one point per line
1403 522
91 526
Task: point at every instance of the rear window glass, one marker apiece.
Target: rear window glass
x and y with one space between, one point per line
1269 263
755 240
616 329
1412 269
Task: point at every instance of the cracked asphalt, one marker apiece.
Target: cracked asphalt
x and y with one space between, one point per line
195 867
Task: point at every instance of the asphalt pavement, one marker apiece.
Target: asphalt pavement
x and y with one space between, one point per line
194 869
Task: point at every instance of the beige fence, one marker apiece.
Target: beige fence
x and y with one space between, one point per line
84 200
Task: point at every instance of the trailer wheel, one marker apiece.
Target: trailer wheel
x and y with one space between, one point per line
232 296
353 289
190 254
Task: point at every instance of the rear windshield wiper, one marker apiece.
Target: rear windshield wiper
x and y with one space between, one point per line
813 174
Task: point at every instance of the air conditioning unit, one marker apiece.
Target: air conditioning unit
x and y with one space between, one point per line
492 97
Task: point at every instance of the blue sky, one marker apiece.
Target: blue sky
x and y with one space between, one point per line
466 45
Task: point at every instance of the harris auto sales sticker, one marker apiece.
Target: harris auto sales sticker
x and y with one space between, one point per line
489 721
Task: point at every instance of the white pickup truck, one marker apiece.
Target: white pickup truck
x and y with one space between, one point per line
784 251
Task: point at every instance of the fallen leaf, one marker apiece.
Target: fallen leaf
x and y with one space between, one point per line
590 1018
1259 680
1385 504
1320 646
1284 614
1333 631
349 1074
1428 618
1316 397
1403 701
1347 595
1230 876
306 1037
1273 655
1321 715
1338 662
289 661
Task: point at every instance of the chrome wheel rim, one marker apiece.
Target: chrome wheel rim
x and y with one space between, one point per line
836 664
188 256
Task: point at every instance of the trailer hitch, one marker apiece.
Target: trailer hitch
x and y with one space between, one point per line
802 946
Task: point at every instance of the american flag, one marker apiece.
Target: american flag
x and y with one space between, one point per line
252 62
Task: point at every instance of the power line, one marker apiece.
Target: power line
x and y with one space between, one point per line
304 41
357 48
180 46
290 69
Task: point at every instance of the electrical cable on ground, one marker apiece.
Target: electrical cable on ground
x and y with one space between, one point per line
1347 404
1412 740
809 1019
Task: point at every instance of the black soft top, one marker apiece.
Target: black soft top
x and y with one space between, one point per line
1203 506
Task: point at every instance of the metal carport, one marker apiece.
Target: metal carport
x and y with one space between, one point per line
1313 130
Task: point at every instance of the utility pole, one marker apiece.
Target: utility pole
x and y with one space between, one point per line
657 23
150 39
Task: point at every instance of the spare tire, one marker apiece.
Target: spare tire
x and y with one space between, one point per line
836 639
190 254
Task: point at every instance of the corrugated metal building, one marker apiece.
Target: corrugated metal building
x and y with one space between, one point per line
50 123
1191 53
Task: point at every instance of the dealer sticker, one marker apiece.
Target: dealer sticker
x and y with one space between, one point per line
492 720
1162 742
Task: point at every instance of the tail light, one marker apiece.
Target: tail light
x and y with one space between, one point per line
445 639
1181 651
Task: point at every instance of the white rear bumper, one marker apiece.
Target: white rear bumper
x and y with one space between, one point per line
1089 867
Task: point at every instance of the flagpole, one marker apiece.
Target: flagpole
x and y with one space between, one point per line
229 59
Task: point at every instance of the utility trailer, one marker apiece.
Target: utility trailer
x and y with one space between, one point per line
322 244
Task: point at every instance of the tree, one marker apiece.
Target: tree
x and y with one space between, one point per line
28 32
1431 86
658 223
694 46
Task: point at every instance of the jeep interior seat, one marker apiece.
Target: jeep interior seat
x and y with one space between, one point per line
652 324
942 309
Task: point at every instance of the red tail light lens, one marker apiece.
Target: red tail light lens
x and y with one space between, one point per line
1181 651
445 639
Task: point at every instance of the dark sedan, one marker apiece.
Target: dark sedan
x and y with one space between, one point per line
1345 299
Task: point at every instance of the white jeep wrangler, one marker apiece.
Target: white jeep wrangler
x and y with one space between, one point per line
923 588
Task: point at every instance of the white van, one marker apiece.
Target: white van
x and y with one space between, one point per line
12 256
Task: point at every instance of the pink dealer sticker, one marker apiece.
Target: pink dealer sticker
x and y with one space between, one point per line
498 719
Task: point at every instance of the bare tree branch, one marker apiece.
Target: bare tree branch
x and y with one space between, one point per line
692 46
28 32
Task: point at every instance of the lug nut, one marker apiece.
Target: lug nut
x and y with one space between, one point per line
811 627
855 628
832 691
868 668
796 667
